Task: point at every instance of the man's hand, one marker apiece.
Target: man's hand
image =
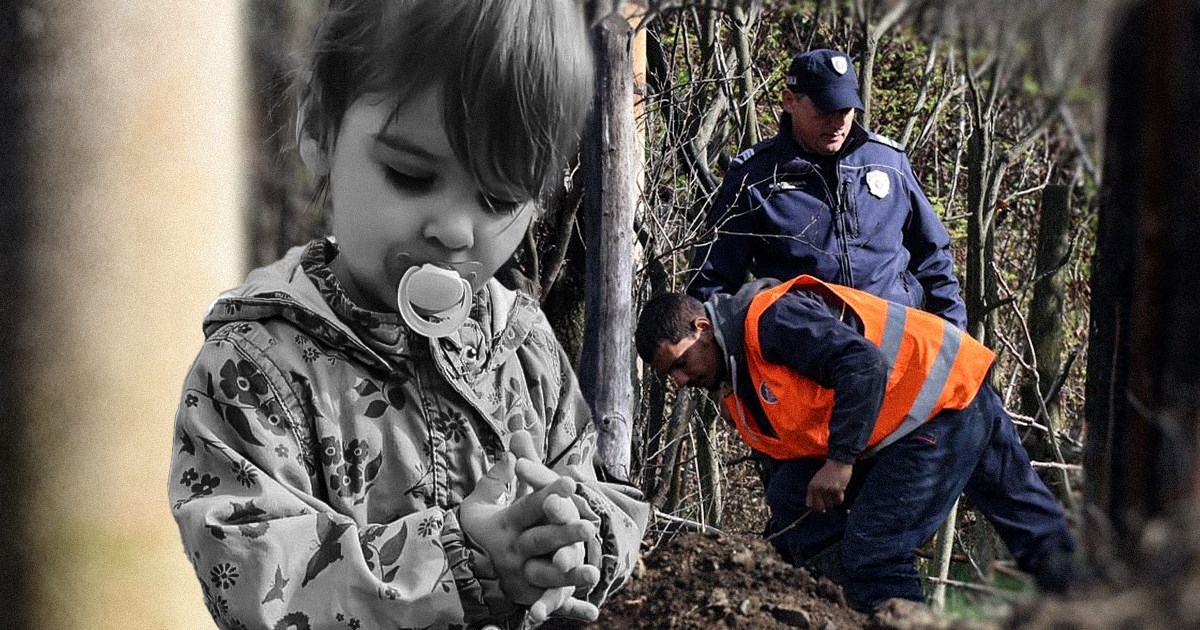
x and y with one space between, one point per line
827 489
514 532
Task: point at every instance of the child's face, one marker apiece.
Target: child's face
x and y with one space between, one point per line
401 198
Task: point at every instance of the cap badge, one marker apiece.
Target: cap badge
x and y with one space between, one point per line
840 65
878 183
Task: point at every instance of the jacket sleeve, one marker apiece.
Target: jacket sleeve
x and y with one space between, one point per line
617 510
268 550
800 331
720 265
930 261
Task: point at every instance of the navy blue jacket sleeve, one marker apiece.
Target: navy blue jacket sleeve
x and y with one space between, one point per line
720 264
802 332
930 260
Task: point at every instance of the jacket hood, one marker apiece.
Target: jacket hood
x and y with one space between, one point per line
728 315
283 290
267 291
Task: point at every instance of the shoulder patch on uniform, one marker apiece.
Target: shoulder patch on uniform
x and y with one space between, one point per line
885 141
743 156
749 153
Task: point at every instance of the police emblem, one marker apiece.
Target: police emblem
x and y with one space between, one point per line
766 394
878 183
840 64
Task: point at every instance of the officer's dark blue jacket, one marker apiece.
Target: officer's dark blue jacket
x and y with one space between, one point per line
775 216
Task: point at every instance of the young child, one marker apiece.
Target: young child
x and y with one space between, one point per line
376 434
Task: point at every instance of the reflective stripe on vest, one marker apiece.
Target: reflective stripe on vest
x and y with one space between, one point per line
932 365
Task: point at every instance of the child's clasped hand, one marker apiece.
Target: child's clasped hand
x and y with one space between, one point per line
523 516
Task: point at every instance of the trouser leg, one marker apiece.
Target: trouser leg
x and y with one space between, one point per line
1006 489
904 500
797 535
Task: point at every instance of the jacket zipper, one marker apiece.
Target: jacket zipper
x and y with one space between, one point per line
841 228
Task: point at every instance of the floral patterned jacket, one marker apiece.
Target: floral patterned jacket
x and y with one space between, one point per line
322 450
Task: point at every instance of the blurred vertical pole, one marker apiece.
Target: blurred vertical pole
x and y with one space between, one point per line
137 179
14 313
1143 389
610 184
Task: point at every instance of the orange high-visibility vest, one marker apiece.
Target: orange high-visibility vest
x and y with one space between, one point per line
932 365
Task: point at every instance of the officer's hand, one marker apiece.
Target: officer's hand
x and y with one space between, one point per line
828 487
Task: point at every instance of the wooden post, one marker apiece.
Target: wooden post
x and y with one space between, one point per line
610 144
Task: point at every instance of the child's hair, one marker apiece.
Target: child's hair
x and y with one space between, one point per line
665 317
516 78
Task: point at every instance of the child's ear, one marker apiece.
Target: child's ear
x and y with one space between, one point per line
313 155
311 151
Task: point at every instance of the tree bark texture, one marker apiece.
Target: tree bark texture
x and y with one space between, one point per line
708 464
606 371
873 32
1143 388
1046 306
980 286
743 22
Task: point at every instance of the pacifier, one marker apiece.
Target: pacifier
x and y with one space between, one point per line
434 301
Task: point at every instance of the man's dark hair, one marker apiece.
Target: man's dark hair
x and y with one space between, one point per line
666 317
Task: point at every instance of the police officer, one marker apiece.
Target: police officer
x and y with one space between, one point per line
878 416
826 198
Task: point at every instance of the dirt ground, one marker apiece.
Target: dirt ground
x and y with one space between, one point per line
736 580
701 581
694 581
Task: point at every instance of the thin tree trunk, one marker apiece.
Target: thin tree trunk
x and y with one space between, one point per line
665 495
654 438
945 550
743 22
1046 305
709 464
979 284
610 149
873 32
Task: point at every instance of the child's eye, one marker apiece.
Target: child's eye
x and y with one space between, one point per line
407 182
499 206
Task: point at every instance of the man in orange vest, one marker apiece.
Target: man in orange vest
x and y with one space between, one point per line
875 418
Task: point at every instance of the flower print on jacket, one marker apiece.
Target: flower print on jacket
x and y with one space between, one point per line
242 381
353 470
224 575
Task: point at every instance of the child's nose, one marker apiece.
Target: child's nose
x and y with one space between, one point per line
451 229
